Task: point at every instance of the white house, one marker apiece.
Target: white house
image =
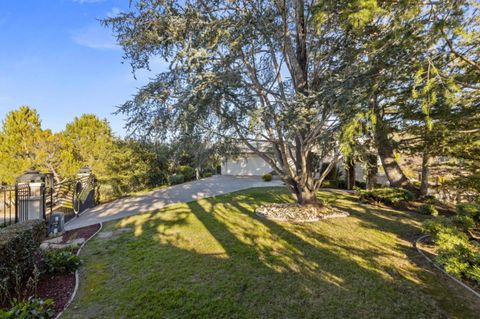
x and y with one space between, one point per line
250 164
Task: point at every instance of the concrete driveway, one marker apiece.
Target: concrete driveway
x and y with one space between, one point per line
147 202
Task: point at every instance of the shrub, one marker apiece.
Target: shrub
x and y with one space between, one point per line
473 273
434 226
19 245
267 177
31 308
208 174
187 171
458 256
463 223
389 196
428 209
60 261
177 179
471 210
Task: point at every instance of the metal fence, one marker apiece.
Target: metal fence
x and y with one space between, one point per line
70 197
18 203
7 205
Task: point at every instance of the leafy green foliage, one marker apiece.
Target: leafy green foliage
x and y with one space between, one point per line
428 209
267 177
59 261
463 222
31 308
388 196
469 209
456 253
187 171
177 179
208 174
19 244
122 166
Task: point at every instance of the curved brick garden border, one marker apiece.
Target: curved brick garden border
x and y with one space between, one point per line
419 240
77 276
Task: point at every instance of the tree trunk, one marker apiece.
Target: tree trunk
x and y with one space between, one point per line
394 173
306 197
302 194
425 174
350 172
372 170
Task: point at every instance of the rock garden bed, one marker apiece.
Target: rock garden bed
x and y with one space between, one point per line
298 214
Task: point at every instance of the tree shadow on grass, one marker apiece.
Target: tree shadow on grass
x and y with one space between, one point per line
215 259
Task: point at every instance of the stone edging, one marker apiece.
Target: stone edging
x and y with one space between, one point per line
77 276
329 216
419 240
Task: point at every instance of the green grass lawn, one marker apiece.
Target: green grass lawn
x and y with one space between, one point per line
214 259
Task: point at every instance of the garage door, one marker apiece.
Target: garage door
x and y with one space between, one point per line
249 166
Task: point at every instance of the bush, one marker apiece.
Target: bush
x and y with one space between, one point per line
428 209
433 227
177 179
458 256
60 261
463 223
187 171
267 177
19 245
208 174
389 196
32 308
471 210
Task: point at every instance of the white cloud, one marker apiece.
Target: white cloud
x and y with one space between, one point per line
95 37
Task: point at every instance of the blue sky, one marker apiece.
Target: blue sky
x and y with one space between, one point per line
56 57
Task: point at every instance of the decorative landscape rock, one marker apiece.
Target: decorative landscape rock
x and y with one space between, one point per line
105 234
297 213
54 240
123 230
76 241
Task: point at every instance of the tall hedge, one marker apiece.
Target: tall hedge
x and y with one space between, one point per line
19 244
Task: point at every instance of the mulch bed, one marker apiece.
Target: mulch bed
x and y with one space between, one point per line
59 287
84 232
297 214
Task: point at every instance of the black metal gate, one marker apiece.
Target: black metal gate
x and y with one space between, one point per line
71 197
22 196
7 205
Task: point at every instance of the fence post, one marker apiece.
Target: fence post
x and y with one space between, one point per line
29 196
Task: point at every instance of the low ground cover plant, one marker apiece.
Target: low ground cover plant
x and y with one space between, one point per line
388 196
469 209
59 261
457 251
428 209
31 308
